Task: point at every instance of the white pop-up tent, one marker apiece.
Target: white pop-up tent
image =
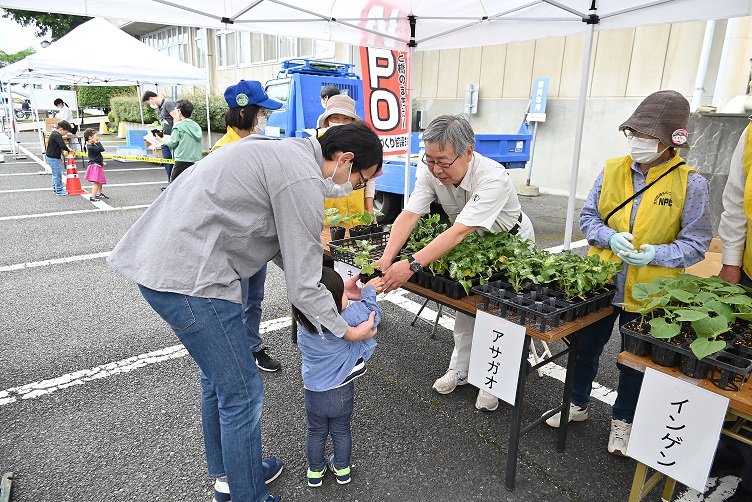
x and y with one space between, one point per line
412 25
76 59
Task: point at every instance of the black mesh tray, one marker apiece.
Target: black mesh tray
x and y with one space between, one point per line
731 366
345 250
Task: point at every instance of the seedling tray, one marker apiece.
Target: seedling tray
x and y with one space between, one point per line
730 367
345 250
541 313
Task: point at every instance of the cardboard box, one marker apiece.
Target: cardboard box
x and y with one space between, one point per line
48 123
711 265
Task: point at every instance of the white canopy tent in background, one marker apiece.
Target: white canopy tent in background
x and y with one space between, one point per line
125 61
415 25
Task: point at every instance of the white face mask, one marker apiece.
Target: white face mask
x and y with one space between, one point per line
154 106
260 125
643 150
334 191
335 124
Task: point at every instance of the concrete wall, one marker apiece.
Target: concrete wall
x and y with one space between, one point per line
626 66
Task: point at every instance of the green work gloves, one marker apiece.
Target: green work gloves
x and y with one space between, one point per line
621 242
645 256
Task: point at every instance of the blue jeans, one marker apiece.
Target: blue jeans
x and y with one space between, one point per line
231 388
253 294
167 154
592 340
329 412
57 173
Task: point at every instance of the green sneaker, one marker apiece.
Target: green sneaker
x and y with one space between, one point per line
342 475
316 478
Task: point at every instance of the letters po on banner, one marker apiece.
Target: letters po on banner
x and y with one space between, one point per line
386 95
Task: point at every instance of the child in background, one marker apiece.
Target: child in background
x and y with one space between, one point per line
330 366
95 171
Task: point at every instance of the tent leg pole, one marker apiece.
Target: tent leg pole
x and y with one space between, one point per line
409 118
39 125
208 118
578 134
140 103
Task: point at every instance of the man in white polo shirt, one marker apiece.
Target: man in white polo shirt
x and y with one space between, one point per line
478 196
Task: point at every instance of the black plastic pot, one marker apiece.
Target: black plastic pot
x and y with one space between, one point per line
692 367
635 345
365 278
424 280
437 284
729 379
664 354
337 233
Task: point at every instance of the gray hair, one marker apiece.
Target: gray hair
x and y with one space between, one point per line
453 129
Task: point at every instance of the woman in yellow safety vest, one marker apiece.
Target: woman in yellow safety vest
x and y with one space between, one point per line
340 109
650 211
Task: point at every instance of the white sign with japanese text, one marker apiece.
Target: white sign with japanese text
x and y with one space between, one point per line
496 356
346 271
676 428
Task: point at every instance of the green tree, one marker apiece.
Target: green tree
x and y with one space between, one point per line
56 24
6 58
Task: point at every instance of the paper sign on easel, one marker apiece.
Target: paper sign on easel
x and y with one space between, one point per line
496 356
676 428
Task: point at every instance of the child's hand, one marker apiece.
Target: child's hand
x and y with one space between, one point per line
378 283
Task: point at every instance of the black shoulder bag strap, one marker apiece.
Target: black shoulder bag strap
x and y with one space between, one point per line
638 193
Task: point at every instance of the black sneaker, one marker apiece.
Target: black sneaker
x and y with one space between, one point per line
266 362
102 196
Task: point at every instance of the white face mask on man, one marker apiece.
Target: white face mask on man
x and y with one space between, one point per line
334 191
644 150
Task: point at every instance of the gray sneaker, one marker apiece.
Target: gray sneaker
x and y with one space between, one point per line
618 440
449 382
576 414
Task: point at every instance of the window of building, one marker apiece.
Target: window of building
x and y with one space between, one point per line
172 41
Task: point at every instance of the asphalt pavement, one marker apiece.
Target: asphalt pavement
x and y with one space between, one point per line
98 401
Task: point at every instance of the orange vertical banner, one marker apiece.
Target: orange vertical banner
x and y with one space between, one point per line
386 96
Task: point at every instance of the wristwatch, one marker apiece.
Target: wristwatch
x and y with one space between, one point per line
414 265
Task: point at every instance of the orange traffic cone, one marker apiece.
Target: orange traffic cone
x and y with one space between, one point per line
72 182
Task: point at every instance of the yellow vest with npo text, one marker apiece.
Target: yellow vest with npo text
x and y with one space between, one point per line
658 218
746 165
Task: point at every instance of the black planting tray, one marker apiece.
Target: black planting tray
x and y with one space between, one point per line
345 250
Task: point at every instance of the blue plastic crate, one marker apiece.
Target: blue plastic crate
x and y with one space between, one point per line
135 137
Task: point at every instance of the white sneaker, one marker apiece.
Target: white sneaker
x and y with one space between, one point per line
450 380
619 437
576 414
486 401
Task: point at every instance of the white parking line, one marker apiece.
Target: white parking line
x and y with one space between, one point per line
62 213
109 185
44 387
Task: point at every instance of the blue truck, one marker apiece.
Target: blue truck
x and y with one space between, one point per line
298 85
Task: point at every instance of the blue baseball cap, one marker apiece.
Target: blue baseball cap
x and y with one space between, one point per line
250 92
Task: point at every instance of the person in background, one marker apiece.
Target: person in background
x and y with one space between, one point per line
95 171
185 141
64 111
735 231
250 202
166 113
340 109
55 148
327 92
248 106
478 196
330 366
626 217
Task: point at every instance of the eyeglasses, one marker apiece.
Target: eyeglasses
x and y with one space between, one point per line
432 163
361 183
629 133
263 112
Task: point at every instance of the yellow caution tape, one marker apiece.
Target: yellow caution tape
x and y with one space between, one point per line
156 160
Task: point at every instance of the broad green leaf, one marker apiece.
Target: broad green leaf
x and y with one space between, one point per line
737 300
681 295
642 291
703 347
689 315
721 308
710 327
659 328
747 316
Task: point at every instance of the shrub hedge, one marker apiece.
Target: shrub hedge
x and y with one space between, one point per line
126 108
96 96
